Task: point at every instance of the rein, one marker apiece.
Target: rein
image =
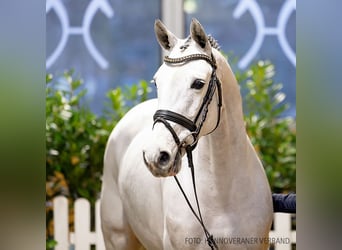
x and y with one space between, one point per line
164 116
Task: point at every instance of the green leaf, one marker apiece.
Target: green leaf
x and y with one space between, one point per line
75 84
48 78
50 244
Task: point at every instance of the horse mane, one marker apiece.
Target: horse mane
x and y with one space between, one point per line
213 42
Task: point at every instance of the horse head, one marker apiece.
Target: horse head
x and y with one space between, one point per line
186 84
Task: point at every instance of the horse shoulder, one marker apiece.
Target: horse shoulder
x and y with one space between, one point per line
117 159
139 190
125 131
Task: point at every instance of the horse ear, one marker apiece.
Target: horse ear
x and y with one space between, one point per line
198 34
166 39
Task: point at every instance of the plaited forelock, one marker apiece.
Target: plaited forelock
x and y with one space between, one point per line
213 43
186 44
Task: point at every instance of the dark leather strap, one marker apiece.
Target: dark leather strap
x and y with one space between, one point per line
210 239
185 59
174 117
168 126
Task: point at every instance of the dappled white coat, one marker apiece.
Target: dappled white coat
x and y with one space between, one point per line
138 208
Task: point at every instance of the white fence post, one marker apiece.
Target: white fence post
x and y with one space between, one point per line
99 237
82 236
61 221
282 232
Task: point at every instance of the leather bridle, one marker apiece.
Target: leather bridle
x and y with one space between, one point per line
195 126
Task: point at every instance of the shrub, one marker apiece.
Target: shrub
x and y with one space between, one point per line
273 136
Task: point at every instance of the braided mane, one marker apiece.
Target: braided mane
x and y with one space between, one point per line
213 42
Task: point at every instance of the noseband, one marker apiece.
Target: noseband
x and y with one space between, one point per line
164 116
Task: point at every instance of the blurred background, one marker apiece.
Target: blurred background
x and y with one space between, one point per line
111 43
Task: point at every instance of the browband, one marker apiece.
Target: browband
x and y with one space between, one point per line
185 59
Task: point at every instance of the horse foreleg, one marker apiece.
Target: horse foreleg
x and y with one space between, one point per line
116 231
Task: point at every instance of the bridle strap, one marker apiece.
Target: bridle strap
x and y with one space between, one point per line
168 126
210 238
175 117
185 59
213 85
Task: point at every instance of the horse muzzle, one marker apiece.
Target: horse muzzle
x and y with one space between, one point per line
162 164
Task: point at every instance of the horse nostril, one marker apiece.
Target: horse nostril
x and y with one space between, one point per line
146 163
164 158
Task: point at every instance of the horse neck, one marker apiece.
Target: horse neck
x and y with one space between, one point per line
226 149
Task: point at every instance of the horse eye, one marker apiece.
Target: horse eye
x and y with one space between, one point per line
197 84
